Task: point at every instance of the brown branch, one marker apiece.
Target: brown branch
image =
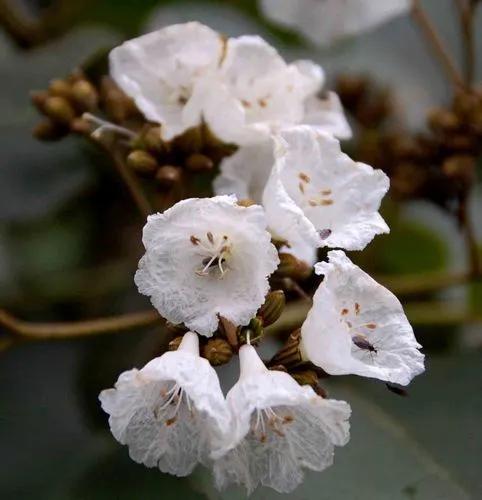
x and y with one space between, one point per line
54 331
130 181
467 10
432 37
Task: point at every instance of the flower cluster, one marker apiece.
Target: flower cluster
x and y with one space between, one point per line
210 263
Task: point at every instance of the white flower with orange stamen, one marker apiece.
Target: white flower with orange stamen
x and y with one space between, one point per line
279 429
326 21
356 326
207 258
319 195
171 412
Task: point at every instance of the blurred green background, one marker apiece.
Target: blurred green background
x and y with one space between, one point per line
69 245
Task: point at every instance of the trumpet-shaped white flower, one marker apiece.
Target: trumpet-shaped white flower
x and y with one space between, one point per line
162 69
357 326
205 258
171 412
279 429
319 195
325 21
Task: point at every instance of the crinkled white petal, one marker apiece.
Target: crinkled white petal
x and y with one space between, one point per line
246 172
204 258
170 413
324 22
350 306
280 428
160 71
327 115
320 195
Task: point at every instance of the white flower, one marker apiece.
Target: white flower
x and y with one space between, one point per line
357 326
319 195
161 70
171 412
259 93
279 429
325 21
204 258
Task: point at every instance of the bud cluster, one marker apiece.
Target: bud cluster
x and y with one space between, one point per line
438 164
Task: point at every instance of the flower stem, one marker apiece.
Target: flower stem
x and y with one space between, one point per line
54 331
432 37
467 10
130 181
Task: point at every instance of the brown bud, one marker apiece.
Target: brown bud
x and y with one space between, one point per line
291 267
85 95
142 162
217 351
246 202
253 332
117 105
460 168
289 355
60 88
38 98
443 120
272 308
59 110
306 377
174 343
461 143
190 141
81 126
351 88
168 176
465 103
153 141
47 130
199 163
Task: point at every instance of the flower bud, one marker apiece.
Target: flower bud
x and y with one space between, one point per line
351 89
291 267
153 141
289 355
217 351
272 308
168 176
60 88
81 126
38 99
199 163
59 110
85 95
117 105
253 332
443 120
190 141
305 377
461 169
47 130
174 343
142 162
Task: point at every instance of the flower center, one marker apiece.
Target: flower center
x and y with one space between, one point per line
267 420
311 195
214 252
169 406
179 95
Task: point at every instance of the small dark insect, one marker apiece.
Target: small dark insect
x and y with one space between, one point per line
399 391
324 233
362 343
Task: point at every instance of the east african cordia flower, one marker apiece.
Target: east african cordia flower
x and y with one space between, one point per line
357 326
182 75
171 413
205 258
279 429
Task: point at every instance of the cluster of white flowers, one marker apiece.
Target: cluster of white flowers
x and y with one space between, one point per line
212 258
